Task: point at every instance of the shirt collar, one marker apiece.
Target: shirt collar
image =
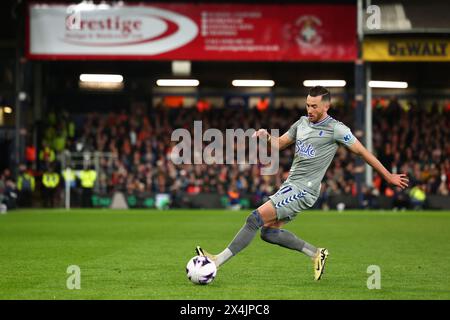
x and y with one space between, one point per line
320 122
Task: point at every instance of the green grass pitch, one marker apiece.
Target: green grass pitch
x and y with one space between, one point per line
142 254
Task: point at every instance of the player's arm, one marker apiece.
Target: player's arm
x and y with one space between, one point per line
399 180
277 142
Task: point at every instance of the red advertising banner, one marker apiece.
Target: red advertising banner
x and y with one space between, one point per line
193 32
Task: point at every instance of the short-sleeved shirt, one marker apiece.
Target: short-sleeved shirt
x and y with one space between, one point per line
315 147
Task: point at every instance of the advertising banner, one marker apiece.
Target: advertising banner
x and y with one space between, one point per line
192 32
406 50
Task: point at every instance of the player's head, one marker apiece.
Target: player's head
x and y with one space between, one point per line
317 103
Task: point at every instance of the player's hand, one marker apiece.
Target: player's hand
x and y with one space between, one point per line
399 180
260 133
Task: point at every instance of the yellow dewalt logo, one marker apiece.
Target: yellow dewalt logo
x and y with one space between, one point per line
418 49
406 50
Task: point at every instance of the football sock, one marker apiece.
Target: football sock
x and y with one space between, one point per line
246 234
288 240
222 257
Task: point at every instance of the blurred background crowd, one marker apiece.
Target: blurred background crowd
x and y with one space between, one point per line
406 138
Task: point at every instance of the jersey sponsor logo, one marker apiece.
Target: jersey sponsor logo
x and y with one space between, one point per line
307 150
347 137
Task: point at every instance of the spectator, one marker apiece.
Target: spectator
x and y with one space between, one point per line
418 196
370 197
8 190
234 198
30 155
50 182
139 142
47 155
25 186
87 176
70 182
400 199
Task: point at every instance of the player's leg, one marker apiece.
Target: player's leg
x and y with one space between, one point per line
264 214
288 202
272 233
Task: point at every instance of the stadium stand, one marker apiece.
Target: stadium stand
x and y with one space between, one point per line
140 144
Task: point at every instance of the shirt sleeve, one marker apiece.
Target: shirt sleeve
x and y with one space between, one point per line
292 132
343 135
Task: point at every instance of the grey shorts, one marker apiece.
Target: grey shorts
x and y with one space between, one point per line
290 200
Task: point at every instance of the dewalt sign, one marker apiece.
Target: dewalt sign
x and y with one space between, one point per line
406 50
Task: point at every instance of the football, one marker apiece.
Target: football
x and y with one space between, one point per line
201 270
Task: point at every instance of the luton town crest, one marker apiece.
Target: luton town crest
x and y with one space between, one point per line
307 31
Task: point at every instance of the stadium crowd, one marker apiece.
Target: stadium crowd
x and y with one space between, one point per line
405 139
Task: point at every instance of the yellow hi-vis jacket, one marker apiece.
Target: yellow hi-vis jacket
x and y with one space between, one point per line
69 175
25 179
417 194
50 180
88 178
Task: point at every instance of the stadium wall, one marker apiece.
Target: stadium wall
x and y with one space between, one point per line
217 201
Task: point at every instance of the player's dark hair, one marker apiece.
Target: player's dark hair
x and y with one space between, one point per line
320 91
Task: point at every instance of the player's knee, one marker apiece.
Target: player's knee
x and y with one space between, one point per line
254 220
270 234
264 234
